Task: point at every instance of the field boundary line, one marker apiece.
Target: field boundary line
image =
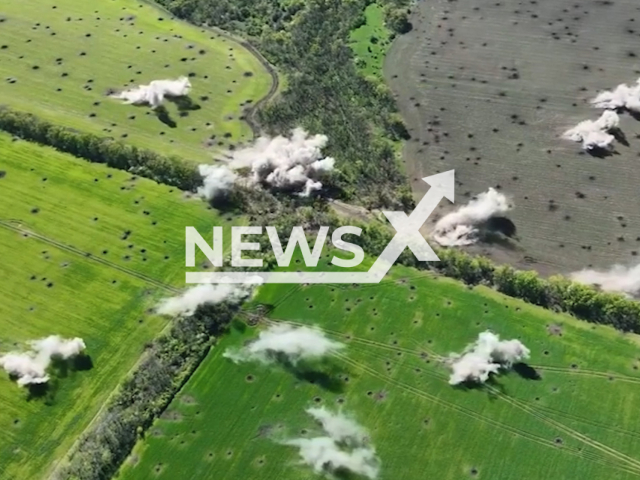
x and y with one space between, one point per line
590 373
577 418
90 256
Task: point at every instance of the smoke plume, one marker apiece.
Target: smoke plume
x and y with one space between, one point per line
293 164
205 293
30 367
594 134
461 226
486 356
622 97
282 342
217 181
617 279
155 93
343 448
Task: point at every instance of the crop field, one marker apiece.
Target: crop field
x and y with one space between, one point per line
86 251
488 87
228 420
59 58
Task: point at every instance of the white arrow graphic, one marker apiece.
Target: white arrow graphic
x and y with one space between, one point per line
407 235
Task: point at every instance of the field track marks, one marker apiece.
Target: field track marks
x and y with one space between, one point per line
67 248
431 371
630 461
590 373
591 456
364 341
577 418
422 351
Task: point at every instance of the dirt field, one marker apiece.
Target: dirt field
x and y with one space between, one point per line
487 87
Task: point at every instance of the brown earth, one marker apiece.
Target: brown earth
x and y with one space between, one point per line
487 87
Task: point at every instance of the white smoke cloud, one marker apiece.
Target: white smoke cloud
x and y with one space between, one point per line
593 134
282 340
296 164
617 279
487 355
30 367
345 446
155 93
205 293
623 96
460 227
217 180
338 426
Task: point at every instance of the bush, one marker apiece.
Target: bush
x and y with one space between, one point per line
397 19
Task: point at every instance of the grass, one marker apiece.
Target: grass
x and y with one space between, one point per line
67 270
58 58
370 42
577 421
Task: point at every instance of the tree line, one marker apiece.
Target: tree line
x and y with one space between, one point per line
146 163
556 293
166 365
325 93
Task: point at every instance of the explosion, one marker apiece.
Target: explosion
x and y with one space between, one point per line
460 227
487 355
155 93
280 163
344 447
205 293
594 134
30 367
623 96
618 278
284 342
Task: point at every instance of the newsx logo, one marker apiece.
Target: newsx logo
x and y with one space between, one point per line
407 235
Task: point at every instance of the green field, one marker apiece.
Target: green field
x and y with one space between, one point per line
67 270
58 58
578 421
370 42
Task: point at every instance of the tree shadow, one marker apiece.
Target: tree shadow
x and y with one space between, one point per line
325 375
619 135
526 371
163 115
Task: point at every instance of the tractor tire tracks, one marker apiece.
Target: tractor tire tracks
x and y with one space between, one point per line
10 225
